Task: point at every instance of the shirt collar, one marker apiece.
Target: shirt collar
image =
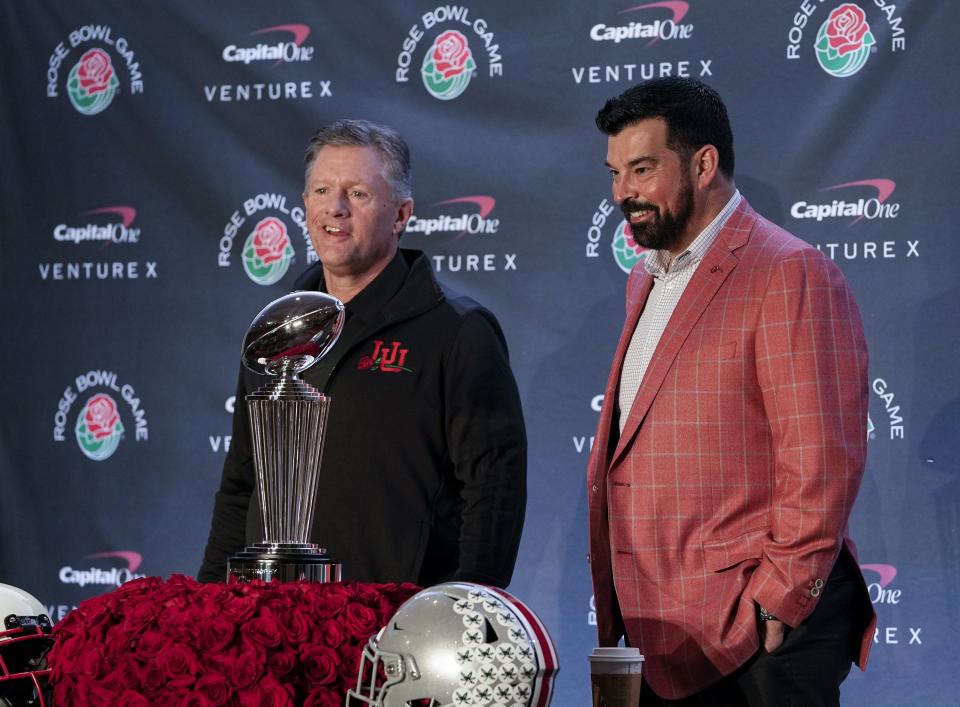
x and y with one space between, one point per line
656 262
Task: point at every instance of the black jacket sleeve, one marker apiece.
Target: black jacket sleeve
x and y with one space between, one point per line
488 448
228 527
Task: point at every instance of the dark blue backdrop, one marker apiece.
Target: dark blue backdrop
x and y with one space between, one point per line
142 144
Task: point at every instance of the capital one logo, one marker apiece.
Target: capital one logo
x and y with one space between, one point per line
876 206
474 223
113 232
654 31
279 52
113 576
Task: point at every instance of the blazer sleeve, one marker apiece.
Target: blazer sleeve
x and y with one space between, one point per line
228 525
487 443
812 369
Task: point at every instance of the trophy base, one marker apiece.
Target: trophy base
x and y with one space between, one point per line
283 562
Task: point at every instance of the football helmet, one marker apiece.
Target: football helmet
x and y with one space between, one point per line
458 644
24 642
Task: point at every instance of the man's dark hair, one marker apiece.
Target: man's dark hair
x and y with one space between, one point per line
694 114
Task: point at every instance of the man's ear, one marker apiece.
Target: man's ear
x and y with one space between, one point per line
404 212
706 164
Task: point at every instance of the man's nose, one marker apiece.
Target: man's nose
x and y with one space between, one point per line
337 205
622 190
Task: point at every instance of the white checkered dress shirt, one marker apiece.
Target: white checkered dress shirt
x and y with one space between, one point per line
668 286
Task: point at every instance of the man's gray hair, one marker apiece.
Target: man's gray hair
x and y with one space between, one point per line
363 133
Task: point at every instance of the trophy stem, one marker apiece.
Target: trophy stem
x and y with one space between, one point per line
287 437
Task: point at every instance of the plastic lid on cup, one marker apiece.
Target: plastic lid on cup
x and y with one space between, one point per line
618 653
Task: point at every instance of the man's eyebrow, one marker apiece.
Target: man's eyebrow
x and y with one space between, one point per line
634 161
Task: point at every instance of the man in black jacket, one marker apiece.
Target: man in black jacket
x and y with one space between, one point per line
423 476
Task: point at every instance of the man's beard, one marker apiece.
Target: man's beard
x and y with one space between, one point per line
663 230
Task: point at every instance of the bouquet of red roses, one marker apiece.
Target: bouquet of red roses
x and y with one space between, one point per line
178 642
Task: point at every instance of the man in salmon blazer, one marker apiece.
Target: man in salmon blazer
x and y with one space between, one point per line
732 437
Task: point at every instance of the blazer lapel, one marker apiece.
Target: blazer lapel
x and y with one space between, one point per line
711 273
635 302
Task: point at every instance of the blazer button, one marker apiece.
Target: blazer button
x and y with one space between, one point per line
588 557
594 489
815 592
818 584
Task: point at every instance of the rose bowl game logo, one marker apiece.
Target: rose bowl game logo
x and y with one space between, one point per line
99 428
92 83
847 37
625 250
450 62
448 66
267 252
844 41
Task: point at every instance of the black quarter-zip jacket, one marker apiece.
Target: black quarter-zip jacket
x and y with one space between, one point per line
423 476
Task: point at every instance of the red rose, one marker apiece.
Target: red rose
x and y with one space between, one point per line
281 664
215 688
323 697
151 644
126 673
263 630
95 71
268 693
238 608
295 626
248 668
194 699
320 664
332 633
360 621
179 665
350 663
450 53
101 415
130 698
152 678
365 363
270 240
139 617
846 27
216 634
329 601
91 662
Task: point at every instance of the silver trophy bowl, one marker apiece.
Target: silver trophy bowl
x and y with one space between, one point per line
288 420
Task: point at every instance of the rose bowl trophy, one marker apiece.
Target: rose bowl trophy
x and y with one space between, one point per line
287 424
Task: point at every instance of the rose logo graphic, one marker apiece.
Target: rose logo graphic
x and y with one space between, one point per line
92 83
267 252
99 428
625 250
448 66
844 41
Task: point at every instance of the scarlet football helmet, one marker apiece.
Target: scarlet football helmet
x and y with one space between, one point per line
24 642
458 644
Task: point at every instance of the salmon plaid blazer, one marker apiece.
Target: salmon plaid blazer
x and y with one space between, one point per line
739 462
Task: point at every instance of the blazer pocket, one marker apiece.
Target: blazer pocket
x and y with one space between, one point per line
727 350
719 555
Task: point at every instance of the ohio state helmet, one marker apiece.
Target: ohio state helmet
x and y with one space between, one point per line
458 644
24 642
